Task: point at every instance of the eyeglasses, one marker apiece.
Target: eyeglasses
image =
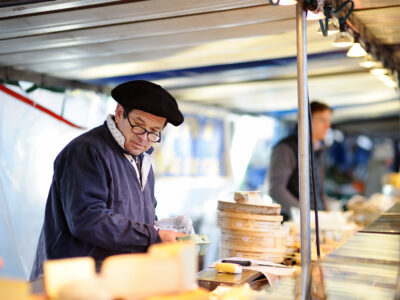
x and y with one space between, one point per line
139 130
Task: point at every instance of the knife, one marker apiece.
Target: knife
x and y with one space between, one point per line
247 263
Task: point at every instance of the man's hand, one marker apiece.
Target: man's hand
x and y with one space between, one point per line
169 235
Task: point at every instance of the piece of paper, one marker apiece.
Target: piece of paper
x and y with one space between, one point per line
270 272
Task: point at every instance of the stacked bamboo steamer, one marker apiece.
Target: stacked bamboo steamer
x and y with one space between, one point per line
250 228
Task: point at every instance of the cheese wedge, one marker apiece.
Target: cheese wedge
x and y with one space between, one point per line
12 289
167 268
59 272
185 254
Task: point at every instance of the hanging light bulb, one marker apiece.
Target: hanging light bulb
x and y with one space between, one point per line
356 49
368 62
283 2
379 71
387 80
343 38
287 2
311 16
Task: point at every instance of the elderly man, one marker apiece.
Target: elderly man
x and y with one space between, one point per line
101 200
283 174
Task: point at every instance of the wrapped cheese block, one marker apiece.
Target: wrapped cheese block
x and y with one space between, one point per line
249 197
201 240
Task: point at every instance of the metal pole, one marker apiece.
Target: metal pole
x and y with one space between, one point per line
303 150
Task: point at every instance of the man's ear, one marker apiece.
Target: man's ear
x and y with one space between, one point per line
119 111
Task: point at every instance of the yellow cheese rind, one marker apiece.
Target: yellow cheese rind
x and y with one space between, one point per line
59 272
197 294
12 289
228 268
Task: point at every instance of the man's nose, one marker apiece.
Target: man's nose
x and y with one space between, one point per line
143 137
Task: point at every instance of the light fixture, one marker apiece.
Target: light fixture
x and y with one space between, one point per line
287 2
387 80
379 71
283 2
343 38
356 49
368 62
311 16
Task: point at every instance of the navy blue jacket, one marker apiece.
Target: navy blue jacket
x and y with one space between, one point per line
96 206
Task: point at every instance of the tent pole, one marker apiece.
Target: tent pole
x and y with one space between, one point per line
303 146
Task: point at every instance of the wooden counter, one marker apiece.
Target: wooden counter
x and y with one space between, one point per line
366 266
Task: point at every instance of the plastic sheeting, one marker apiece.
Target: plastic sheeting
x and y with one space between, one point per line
29 142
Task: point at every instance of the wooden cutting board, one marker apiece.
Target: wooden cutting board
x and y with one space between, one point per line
210 278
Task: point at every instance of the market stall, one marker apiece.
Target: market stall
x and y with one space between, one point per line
259 257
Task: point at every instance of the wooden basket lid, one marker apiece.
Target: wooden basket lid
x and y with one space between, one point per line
260 209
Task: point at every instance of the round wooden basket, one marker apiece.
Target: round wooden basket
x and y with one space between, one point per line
253 239
251 231
248 222
274 255
259 209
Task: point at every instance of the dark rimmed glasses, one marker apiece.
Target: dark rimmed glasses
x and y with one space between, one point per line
139 130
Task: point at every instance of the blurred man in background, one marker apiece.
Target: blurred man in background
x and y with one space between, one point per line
283 175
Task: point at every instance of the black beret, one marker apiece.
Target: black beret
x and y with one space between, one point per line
149 97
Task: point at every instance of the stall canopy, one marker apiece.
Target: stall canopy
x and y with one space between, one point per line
237 54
